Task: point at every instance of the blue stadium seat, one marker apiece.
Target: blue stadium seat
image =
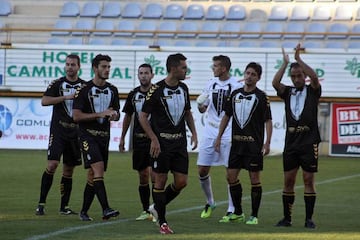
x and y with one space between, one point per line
70 9
236 12
141 42
273 27
62 24
82 25
279 13
188 27
194 11
225 44
125 26
215 12
209 27
300 13
132 10
269 44
254 28
316 27
122 42
5 8
353 44
336 45
104 25
204 44
173 11
343 13
294 27
321 13
75 41
97 41
146 26
258 15
248 44
163 42
153 10
111 10
338 28
90 9
311 44
230 30
289 44
167 26
56 40
183 43
355 29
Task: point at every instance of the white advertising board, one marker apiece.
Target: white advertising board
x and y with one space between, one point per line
25 125
31 68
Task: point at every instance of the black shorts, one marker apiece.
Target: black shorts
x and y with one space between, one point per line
305 157
141 159
68 148
95 150
248 162
171 161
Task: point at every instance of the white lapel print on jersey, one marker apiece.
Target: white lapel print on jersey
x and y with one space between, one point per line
174 104
219 96
66 90
101 99
244 107
297 102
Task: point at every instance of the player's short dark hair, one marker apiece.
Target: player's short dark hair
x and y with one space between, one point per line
224 60
173 60
96 60
146 65
294 65
74 56
256 66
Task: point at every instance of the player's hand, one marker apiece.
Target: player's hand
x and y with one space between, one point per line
194 142
122 145
217 144
297 51
266 149
202 98
286 58
155 148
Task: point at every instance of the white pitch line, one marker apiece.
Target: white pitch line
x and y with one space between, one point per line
72 229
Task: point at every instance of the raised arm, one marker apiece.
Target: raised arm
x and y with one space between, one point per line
314 80
279 87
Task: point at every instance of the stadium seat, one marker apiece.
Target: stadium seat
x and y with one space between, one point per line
5 8
343 13
90 9
132 10
70 9
321 13
167 26
230 30
194 11
62 24
55 40
82 25
236 12
355 29
268 44
127 27
97 41
248 44
188 27
119 42
354 44
215 12
311 44
336 45
225 44
278 13
141 42
174 11
209 27
316 27
289 44
300 13
294 27
338 28
75 41
183 43
104 25
111 10
254 27
153 10
204 44
258 15
146 26
163 42
273 27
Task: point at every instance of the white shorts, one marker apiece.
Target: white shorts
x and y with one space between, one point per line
209 157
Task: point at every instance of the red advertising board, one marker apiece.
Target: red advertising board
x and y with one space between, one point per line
345 130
